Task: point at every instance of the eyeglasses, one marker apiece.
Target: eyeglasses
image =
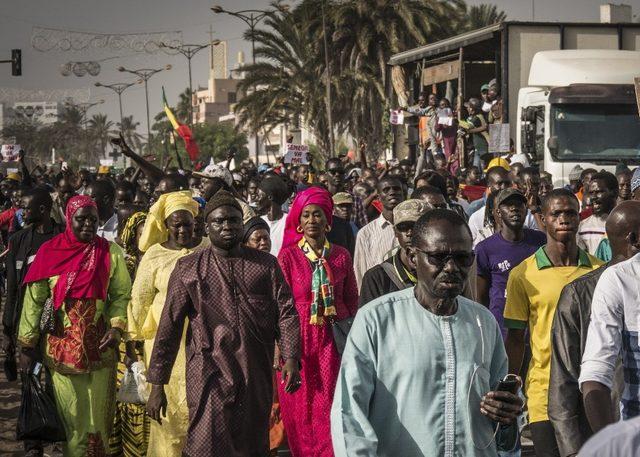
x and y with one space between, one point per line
440 259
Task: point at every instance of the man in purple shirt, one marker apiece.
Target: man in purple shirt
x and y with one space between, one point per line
498 254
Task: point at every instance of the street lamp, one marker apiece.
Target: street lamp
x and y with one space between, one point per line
190 50
118 88
252 18
145 74
83 108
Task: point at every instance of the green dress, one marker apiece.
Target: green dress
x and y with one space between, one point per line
83 378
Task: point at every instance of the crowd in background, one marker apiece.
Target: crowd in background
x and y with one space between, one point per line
347 309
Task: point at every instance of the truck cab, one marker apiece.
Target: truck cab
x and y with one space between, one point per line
580 108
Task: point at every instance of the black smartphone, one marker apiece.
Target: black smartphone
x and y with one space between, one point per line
509 384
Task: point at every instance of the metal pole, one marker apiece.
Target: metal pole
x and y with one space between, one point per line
190 92
146 93
120 103
252 27
328 88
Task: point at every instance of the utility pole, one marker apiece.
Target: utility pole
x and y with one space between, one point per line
145 74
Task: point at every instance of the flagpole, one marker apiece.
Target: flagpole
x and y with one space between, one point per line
175 146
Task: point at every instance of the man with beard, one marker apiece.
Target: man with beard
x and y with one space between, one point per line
497 255
603 190
569 337
533 289
237 303
397 272
419 365
376 239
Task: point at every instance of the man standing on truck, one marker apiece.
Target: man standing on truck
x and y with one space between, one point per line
497 105
476 128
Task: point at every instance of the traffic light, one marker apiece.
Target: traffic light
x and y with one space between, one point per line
16 62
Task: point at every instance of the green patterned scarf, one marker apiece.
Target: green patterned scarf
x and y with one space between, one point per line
321 283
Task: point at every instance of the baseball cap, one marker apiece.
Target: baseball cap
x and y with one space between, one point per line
575 173
511 193
342 198
498 162
635 180
484 87
215 171
13 177
408 211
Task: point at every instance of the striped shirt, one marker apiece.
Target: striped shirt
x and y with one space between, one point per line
374 244
590 232
613 331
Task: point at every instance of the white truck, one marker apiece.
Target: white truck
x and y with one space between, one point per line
567 87
580 108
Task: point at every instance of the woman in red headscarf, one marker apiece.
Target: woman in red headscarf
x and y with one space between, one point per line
324 289
75 311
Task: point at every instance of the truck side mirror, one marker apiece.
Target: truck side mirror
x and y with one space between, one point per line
552 144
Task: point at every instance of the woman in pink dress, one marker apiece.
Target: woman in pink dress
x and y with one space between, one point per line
324 289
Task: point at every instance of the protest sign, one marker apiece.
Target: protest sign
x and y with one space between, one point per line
396 117
10 152
296 154
499 138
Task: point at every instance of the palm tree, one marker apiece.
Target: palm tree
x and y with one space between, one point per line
479 16
129 128
286 86
183 107
367 33
100 129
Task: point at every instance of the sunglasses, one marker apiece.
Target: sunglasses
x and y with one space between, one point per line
440 259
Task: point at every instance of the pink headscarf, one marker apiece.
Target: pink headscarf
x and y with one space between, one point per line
83 268
311 196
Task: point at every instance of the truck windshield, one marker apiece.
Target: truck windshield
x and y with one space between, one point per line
596 133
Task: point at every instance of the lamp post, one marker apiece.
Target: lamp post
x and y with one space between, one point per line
252 18
145 74
190 50
118 88
83 108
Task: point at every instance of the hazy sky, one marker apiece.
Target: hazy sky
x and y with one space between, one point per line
193 18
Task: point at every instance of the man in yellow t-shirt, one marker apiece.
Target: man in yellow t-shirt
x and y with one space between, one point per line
533 290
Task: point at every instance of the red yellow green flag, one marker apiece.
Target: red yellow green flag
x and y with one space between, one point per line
181 129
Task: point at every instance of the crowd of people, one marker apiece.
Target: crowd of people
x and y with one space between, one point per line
391 310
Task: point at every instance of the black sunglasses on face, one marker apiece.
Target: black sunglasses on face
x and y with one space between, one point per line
440 259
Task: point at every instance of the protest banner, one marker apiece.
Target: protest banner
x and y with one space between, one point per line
499 138
10 152
396 117
296 154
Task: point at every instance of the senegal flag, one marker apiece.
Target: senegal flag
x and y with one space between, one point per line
181 129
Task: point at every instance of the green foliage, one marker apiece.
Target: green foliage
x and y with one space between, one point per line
288 83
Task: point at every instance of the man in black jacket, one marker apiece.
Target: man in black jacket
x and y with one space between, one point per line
23 245
397 272
569 335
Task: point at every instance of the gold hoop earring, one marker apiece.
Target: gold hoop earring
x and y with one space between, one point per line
299 229
327 228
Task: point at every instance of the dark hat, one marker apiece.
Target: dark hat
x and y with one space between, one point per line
221 198
506 194
253 224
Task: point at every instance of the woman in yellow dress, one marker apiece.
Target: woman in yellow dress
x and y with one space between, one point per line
167 236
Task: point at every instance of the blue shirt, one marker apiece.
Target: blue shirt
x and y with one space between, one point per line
410 382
